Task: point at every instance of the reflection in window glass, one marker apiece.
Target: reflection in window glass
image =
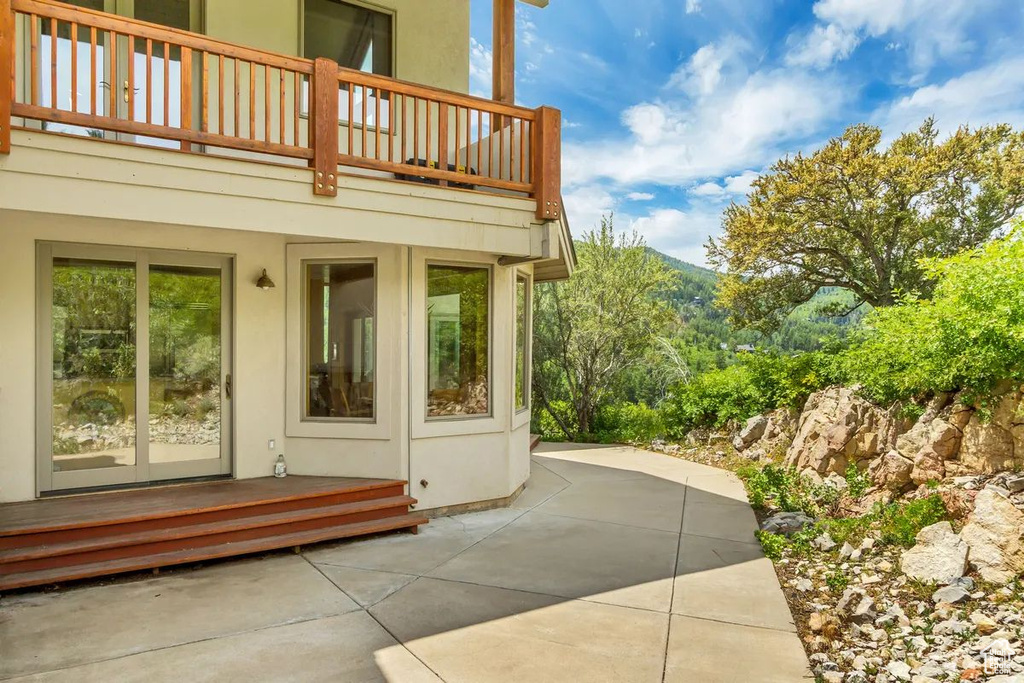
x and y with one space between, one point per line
522 365
458 300
340 340
353 36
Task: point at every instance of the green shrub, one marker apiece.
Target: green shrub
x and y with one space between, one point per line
712 400
837 581
628 423
970 335
546 426
771 544
899 523
784 487
857 482
850 530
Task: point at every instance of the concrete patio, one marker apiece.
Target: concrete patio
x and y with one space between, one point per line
613 565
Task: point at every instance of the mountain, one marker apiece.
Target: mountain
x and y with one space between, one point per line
704 328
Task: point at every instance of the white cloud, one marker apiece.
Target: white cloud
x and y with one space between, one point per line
692 6
586 205
734 186
481 66
930 29
681 234
739 126
708 189
639 196
991 94
741 184
822 46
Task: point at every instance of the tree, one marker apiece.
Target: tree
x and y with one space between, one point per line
602 321
855 216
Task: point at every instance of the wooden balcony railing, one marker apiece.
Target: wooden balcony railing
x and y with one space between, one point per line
79 71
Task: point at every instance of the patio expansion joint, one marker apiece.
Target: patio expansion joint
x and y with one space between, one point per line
366 610
726 622
604 521
675 573
543 466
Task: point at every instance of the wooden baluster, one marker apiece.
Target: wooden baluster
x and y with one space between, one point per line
238 100
74 66
266 103
252 101
458 130
281 122
204 98
186 95
112 79
351 118
53 63
324 115
36 66
6 74
362 149
376 123
405 128
167 84
220 94
547 163
442 138
391 126
511 147
93 78
149 81
427 131
295 108
415 129
479 141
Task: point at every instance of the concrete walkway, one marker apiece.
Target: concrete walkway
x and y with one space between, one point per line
614 565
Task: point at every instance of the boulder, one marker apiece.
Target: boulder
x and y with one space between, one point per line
838 427
751 432
928 445
891 471
994 441
939 556
995 534
786 523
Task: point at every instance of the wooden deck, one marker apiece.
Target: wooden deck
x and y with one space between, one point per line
62 539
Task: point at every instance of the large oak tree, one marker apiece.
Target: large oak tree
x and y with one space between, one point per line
859 216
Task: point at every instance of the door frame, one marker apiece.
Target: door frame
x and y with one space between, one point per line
142 472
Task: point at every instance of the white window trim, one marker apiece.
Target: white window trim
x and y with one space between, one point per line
388 336
496 420
521 416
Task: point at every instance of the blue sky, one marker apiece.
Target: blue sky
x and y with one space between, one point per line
671 107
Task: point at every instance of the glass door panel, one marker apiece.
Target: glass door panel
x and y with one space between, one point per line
185 364
93 365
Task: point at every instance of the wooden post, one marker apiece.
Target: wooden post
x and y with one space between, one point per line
547 163
503 50
186 94
6 73
324 127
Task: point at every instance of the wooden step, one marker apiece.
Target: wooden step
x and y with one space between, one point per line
52 521
220 550
120 544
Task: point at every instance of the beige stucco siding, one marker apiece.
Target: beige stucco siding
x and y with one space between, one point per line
431 36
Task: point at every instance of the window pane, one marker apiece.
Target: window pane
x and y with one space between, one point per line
522 299
340 340
353 36
93 364
457 340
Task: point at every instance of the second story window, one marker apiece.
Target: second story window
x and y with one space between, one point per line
354 36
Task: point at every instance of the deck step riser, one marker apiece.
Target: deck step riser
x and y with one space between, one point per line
26 580
142 550
49 538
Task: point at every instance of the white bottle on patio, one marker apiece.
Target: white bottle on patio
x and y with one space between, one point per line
280 469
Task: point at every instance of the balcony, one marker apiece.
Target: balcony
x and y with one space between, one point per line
81 72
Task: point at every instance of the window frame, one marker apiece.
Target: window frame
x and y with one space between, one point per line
304 416
527 278
489 268
363 4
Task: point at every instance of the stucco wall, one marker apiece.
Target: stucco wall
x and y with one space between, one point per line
431 36
463 460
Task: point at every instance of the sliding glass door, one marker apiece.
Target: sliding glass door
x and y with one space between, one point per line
134 368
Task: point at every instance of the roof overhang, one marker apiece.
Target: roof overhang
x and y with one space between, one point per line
536 3
561 267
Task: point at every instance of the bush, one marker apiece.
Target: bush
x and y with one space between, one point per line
546 426
712 400
771 544
899 523
784 487
628 423
969 336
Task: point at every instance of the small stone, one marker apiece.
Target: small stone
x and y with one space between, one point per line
950 594
803 585
983 623
815 622
1015 484
824 542
786 523
899 670
846 551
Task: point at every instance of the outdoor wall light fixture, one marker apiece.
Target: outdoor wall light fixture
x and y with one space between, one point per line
265 282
